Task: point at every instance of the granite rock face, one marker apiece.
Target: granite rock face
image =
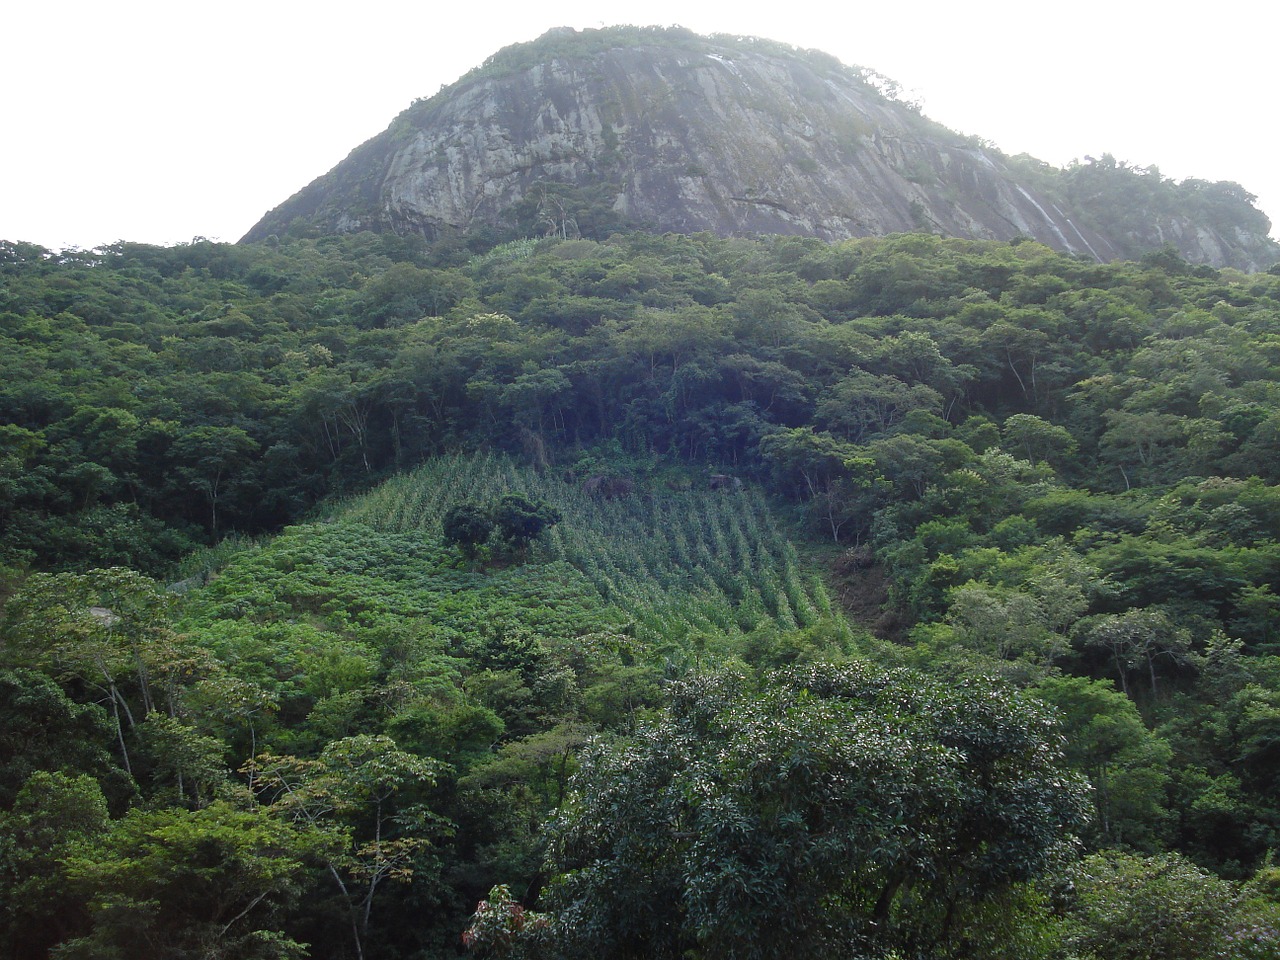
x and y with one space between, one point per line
730 135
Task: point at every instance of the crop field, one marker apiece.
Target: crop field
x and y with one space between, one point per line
680 564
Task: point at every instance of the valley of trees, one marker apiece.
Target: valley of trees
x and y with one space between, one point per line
670 596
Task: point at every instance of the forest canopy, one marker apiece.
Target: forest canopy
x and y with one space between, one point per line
348 579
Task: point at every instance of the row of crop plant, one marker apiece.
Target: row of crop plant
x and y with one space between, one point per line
679 563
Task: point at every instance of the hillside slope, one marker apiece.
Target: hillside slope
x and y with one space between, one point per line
583 133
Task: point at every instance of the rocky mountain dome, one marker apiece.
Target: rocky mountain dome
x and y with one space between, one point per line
583 133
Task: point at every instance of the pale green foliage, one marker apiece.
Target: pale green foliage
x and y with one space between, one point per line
1157 908
1005 623
681 564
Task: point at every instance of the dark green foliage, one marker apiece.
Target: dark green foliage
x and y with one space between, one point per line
41 729
468 525
520 520
514 517
835 812
54 816
151 394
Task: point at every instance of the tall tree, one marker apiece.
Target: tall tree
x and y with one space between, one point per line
834 811
347 794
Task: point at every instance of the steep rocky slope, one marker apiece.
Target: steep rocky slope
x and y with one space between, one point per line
664 130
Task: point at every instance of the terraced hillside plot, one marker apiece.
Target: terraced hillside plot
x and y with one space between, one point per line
678 563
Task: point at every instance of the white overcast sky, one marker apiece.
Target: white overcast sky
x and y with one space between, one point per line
161 121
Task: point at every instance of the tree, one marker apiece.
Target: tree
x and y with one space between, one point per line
806 461
831 812
1024 348
212 459
211 883
1005 623
107 632
840 485
863 405
53 814
1038 439
1137 638
187 766
1157 908
912 463
1257 618
42 729
468 525
1140 441
353 781
1127 764
520 520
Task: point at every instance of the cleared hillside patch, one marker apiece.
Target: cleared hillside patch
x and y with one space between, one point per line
681 564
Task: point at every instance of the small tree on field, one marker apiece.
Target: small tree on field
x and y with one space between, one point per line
520 520
468 525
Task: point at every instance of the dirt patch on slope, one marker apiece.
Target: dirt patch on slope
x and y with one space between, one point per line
861 587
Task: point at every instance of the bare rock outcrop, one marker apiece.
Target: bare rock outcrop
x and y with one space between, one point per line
664 130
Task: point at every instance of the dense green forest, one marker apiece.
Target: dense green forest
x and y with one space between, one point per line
669 596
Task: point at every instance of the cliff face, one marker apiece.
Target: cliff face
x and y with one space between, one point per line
675 132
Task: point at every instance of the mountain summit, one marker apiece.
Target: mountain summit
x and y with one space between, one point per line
582 133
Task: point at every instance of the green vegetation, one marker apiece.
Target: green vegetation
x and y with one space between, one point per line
680 564
716 598
831 809
1121 199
